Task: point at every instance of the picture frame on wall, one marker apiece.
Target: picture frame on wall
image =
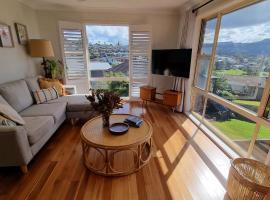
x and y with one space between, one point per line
6 39
21 32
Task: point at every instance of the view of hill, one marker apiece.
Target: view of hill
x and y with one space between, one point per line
250 49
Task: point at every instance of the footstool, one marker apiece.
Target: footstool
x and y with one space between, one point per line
78 107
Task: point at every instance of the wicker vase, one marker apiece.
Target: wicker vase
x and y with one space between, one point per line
248 180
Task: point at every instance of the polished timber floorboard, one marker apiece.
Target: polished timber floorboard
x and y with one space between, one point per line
185 165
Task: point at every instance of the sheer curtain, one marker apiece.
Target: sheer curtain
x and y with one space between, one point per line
185 40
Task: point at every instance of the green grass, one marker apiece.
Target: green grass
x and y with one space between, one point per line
247 102
234 72
240 130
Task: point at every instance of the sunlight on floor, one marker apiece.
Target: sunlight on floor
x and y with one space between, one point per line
162 162
195 177
176 140
190 127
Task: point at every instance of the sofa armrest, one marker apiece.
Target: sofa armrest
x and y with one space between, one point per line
14 146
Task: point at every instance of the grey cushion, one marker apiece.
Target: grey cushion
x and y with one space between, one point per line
57 110
37 127
32 83
62 99
17 94
78 103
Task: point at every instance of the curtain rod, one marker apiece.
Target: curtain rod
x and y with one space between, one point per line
195 9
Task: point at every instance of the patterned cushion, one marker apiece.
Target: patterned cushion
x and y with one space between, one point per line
8 112
47 83
44 95
6 122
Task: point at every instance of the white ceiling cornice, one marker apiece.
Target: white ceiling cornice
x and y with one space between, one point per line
163 7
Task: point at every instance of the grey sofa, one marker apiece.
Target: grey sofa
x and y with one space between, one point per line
18 145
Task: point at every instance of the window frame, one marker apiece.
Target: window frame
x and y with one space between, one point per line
255 117
104 79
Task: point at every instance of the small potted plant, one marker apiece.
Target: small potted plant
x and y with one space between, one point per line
104 102
55 69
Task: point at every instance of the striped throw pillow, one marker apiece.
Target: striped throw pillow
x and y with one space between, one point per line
44 95
6 122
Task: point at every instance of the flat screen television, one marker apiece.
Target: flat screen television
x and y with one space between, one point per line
171 62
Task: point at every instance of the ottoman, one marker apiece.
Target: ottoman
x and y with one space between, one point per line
78 107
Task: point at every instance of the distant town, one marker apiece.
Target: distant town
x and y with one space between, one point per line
107 58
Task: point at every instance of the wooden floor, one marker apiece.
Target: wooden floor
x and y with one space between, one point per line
185 165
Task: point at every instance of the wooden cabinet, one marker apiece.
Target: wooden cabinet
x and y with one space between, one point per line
147 93
172 98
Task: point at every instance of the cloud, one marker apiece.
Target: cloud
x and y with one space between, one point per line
107 34
246 25
252 15
248 34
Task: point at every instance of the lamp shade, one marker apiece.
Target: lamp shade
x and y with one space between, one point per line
40 48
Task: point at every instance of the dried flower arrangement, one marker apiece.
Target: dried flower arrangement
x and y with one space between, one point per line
104 102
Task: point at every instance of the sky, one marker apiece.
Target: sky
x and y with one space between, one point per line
247 25
107 34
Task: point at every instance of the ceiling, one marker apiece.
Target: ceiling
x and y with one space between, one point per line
119 5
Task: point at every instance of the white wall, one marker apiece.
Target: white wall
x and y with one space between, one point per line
14 62
164 27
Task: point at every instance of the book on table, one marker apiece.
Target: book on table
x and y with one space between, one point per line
134 121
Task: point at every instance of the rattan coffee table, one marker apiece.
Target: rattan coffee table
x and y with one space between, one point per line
110 155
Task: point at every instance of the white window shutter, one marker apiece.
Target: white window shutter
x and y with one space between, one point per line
74 53
140 44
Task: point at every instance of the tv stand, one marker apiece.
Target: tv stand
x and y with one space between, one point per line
171 98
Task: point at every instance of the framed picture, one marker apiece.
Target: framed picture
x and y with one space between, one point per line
5 36
22 34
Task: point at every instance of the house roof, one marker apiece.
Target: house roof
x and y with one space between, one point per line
99 66
123 67
246 80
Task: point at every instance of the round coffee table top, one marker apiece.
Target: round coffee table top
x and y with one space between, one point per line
95 135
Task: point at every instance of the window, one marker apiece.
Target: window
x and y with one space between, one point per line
111 57
267 110
231 126
242 60
205 52
108 48
74 55
234 57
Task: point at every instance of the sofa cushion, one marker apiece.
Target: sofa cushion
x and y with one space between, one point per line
44 95
32 83
62 99
57 110
3 101
4 121
8 112
17 94
47 83
37 127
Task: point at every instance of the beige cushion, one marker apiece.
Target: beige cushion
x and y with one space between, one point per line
45 95
37 127
47 83
8 112
17 94
57 110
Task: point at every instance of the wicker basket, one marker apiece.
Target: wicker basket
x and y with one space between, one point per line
248 180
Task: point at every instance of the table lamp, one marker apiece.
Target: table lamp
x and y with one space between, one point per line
42 48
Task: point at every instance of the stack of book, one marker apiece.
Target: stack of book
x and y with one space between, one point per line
134 121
